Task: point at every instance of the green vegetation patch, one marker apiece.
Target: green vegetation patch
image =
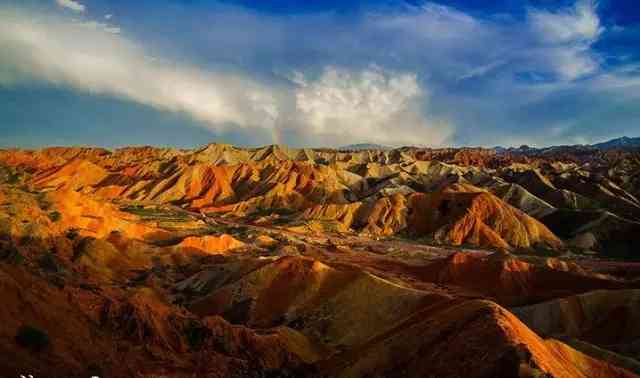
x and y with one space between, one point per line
72 233
43 202
27 239
152 213
276 211
196 334
82 248
238 231
32 338
11 175
538 250
55 216
11 255
50 263
283 213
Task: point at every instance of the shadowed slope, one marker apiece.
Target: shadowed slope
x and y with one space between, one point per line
604 318
482 338
515 282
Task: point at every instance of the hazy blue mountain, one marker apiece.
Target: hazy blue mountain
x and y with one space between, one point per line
623 142
364 146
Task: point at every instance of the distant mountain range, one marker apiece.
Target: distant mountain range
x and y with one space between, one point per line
624 142
364 146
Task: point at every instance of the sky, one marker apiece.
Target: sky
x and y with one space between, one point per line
308 73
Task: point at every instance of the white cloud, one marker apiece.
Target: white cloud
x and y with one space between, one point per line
556 43
481 70
100 26
567 35
574 63
578 23
108 16
371 105
624 80
71 4
90 56
340 106
432 22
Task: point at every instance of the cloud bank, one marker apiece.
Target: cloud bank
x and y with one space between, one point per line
340 105
370 105
70 4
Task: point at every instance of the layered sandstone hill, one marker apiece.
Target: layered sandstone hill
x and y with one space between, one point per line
602 322
513 281
482 338
171 267
370 191
61 323
467 215
456 215
391 330
603 317
595 230
75 175
573 187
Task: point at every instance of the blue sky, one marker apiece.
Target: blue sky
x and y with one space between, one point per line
318 73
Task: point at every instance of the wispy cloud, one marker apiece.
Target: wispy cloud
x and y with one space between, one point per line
568 34
481 70
578 23
101 26
90 57
71 4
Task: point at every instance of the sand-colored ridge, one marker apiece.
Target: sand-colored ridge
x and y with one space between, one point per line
210 244
483 339
478 218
